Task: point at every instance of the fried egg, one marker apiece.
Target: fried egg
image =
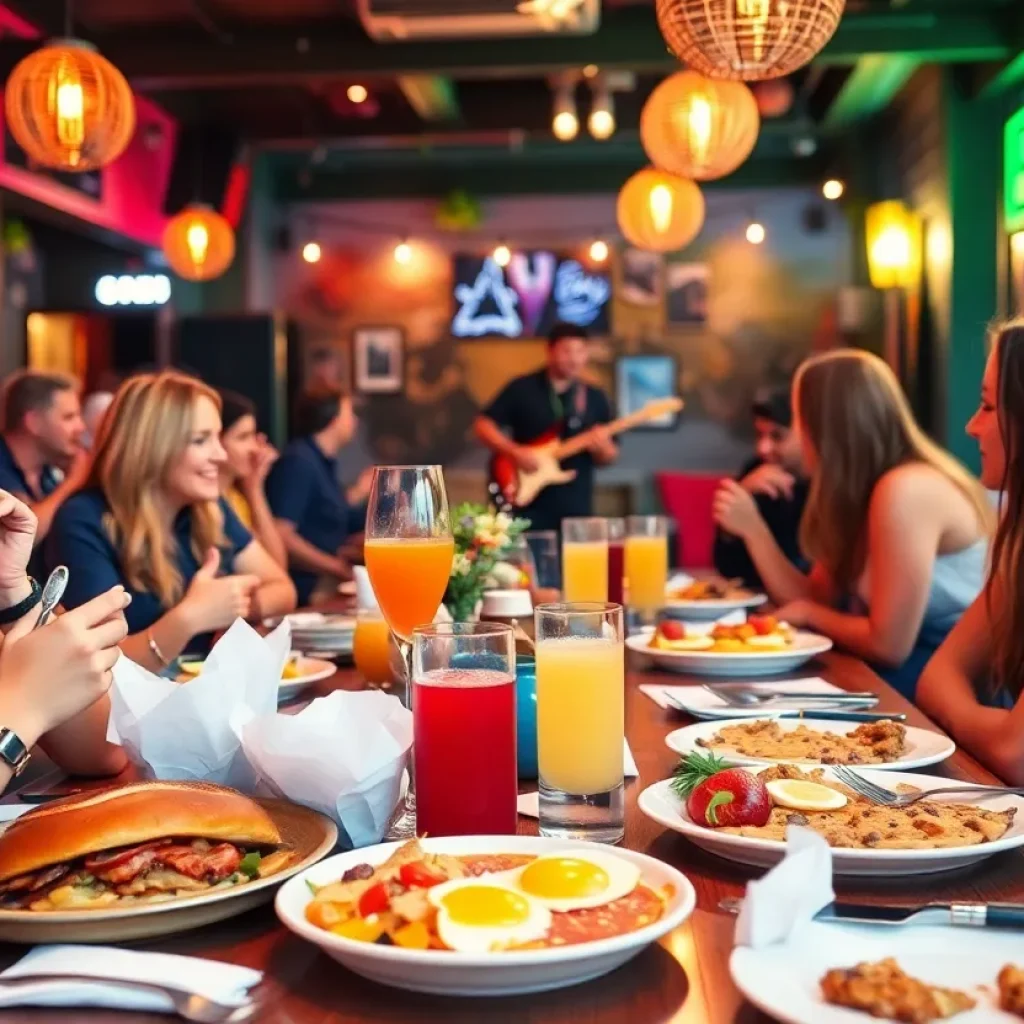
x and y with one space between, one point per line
477 915
574 880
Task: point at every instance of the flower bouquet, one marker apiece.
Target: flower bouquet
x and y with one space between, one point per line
482 538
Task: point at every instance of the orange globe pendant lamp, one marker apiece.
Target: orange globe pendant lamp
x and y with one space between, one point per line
699 128
747 40
69 108
199 243
659 212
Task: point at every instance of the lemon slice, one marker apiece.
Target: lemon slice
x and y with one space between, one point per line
805 796
191 668
689 643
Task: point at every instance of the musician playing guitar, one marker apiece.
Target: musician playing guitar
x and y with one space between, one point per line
553 399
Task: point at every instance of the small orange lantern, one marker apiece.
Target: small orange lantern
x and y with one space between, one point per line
659 211
199 243
68 107
698 128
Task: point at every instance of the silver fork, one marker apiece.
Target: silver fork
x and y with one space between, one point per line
748 698
192 1007
888 798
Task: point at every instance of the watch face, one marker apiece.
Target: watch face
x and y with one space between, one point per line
13 751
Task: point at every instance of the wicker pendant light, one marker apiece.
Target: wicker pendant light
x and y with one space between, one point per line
659 212
698 128
199 243
68 107
747 40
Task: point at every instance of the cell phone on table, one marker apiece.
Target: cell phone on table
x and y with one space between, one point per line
49 788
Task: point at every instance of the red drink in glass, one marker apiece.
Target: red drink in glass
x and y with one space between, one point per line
465 748
616 570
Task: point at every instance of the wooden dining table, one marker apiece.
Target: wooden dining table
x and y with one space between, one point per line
684 979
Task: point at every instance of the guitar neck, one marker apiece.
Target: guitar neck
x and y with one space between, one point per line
574 445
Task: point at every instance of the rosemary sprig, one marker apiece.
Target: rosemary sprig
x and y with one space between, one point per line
692 770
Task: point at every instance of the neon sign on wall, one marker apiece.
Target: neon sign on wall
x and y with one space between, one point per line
527 297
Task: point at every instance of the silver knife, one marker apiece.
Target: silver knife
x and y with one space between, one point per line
971 915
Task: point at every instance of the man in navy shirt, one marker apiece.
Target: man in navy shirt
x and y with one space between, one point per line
42 461
554 398
314 515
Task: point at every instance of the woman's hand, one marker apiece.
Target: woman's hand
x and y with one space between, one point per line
735 510
17 535
49 675
214 602
796 613
263 459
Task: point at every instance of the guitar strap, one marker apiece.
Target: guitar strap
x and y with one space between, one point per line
577 403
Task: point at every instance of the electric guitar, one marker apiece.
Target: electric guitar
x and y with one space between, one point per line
514 488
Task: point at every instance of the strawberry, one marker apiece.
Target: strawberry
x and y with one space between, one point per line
717 796
670 629
763 625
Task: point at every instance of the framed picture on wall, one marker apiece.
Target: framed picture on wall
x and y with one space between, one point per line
646 378
641 280
379 354
687 293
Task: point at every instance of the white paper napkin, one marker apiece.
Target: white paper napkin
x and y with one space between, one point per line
8 812
700 699
366 599
528 802
225 983
193 730
787 898
343 755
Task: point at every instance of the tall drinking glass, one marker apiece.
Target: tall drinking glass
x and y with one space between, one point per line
464 684
580 720
409 549
616 559
371 647
646 565
585 559
544 548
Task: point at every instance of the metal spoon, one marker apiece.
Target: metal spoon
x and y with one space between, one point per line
52 593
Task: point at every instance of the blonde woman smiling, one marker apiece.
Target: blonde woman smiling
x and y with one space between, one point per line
895 528
152 520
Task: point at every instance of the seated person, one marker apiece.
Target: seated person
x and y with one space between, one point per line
895 528
152 520
974 685
775 477
54 679
244 474
314 515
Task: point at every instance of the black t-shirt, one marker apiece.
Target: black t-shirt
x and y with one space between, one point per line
529 407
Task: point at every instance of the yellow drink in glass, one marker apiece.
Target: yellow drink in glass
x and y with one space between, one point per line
371 648
580 717
647 572
585 570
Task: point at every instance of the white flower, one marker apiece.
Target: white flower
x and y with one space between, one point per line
502 521
461 565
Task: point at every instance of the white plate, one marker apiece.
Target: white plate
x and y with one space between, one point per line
663 806
736 666
712 608
783 979
484 974
923 746
311 670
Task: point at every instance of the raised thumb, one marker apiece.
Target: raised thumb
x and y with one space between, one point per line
211 564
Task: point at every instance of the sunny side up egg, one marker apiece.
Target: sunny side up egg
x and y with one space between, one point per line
477 915
573 881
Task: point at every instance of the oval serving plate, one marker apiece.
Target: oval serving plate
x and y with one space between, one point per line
310 834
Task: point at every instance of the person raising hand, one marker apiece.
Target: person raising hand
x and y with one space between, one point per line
151 519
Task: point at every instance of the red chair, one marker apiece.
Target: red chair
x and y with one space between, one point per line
688 498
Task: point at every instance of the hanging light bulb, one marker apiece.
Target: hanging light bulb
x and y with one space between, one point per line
311 252
565 123
403 253
659 203
598 251
357 93
502 255
755 233
601 121
833 189
197 238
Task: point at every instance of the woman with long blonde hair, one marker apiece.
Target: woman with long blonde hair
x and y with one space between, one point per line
151 519
974 686
895 528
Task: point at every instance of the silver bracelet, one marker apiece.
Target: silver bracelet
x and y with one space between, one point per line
156 652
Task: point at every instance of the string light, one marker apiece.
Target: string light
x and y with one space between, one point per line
403 253
502 255
755 233
833 189
565 123
357 93
311 252
598 251
601 121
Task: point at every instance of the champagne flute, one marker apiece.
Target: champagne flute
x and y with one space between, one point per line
409 550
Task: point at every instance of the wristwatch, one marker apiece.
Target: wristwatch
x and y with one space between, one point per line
12 751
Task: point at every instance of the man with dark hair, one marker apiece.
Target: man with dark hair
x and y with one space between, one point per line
775 477
42 461
553 399
313 514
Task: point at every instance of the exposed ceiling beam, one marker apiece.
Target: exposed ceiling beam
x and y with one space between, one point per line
628 38
1011 74
431 96
870 88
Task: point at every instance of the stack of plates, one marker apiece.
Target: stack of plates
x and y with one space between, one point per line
319 633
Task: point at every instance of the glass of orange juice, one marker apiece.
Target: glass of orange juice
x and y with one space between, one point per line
580 720
585 559
646 564
371 647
